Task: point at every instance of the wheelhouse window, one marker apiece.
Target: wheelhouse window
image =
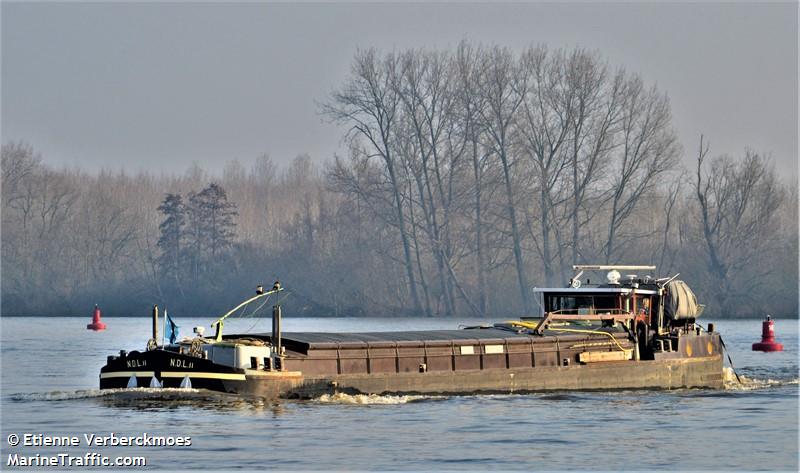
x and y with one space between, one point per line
581 305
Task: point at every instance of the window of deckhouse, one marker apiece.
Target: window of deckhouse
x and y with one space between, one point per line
582 305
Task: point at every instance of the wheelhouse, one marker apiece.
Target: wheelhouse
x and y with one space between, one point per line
644 306
590 301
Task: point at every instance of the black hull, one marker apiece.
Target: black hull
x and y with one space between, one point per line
169 368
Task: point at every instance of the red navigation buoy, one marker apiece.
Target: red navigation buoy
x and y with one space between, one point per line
767 342
96 324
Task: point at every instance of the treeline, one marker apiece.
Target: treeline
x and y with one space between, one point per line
472 175
194 243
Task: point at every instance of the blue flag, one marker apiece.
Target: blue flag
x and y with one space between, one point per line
171 330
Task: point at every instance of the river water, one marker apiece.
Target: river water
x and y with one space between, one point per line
50 377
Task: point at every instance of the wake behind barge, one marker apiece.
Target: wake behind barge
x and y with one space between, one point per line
623 334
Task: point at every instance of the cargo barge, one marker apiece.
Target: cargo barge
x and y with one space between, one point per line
628 332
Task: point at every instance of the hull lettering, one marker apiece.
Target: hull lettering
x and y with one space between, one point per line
173 363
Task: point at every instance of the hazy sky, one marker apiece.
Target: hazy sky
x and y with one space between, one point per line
159 86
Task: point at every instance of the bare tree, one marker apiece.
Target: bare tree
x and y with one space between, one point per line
738 203
595 122
545 124
467 65
648 150
426 90
503 88
667 252
18 163
369 105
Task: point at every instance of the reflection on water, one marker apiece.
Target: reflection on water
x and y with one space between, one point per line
130 393
207 401
53 391
156 399
560 397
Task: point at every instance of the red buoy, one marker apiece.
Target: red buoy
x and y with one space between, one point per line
767 342
96 324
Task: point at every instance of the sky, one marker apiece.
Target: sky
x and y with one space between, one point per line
160 86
